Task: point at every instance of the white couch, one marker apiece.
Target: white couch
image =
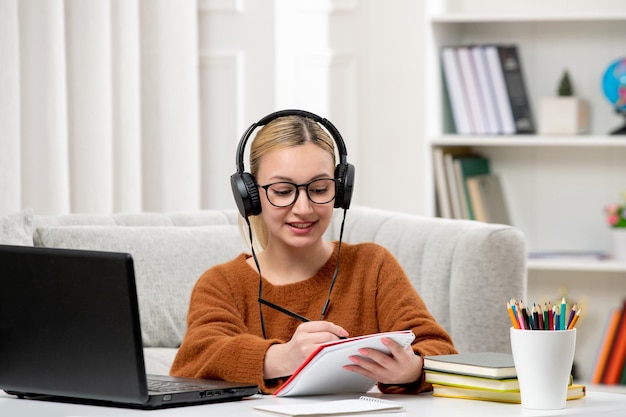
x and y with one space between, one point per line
464 270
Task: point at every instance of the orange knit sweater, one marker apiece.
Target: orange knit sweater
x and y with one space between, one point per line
372 294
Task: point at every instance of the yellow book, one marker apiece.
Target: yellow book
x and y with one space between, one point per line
574 391
483 364
467 381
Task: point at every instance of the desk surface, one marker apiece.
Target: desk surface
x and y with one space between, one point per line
424 405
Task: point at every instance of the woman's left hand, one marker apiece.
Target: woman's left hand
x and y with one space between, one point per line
401 366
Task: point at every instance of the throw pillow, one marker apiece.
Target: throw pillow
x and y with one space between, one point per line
168 261
17 228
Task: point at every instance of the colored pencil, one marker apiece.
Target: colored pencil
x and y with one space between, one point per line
571 315
551 317
540 317
512 315
572 322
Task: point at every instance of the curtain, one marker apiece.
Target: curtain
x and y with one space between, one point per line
99 108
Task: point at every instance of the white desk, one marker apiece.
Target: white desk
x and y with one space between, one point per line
425 405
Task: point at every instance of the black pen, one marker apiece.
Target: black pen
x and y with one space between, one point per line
289 313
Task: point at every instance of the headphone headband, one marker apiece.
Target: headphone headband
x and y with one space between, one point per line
341 146
244 186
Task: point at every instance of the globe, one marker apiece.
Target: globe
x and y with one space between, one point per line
614 88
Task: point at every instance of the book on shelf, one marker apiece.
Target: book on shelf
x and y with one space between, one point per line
455 91
608 336
469 381
486 87
476 108
615 365
482 364
500 94
453 187
356 406
487 199
323 373
444 207
466 166
574 391
511 67
442 189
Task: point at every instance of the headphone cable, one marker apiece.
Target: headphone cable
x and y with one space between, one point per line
332 282
258 267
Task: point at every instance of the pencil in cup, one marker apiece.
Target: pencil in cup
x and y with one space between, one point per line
555 318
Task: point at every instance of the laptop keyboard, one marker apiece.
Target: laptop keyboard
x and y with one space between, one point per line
171 386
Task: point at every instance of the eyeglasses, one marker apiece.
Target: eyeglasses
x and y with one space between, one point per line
284 194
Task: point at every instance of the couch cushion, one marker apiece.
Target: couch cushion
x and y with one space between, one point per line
16 228
168 261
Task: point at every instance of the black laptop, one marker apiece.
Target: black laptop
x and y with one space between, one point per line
70 331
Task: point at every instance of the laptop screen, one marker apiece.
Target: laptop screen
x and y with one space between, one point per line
70 324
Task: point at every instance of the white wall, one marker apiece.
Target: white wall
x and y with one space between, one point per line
391 149
133 105
370 64
354 62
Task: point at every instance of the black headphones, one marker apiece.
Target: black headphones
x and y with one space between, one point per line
244 186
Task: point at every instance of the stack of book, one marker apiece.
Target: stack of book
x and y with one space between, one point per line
466 188
486 90
610 366
487 376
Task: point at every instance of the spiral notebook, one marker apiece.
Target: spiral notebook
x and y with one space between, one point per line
322 372
361 405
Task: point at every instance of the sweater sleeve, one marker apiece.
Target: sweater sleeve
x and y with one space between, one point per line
218 344
400 307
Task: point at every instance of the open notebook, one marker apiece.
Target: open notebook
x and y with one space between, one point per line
356 406
71 332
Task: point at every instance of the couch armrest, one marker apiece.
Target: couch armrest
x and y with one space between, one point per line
464 270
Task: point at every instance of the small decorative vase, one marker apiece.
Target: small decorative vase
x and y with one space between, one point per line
619 243
563 116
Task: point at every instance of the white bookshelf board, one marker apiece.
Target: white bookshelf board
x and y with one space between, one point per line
574 265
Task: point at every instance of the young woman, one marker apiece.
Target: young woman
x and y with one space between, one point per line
233 336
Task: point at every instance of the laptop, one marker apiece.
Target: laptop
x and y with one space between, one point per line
70 331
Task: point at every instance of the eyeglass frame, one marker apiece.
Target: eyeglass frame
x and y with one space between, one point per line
297 194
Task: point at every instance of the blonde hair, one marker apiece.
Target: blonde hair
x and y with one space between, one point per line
283 132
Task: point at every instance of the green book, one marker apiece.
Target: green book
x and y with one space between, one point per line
483 364
465 167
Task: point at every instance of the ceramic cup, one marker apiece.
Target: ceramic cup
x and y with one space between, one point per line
543 362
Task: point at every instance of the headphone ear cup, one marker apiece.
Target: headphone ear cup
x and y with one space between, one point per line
246 194
340 172
253 193
344 174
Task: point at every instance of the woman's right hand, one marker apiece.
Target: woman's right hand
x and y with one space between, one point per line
283 359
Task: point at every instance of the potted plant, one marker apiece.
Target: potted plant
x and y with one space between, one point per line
564 114
616 218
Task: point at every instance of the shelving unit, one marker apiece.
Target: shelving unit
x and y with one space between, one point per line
555 186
